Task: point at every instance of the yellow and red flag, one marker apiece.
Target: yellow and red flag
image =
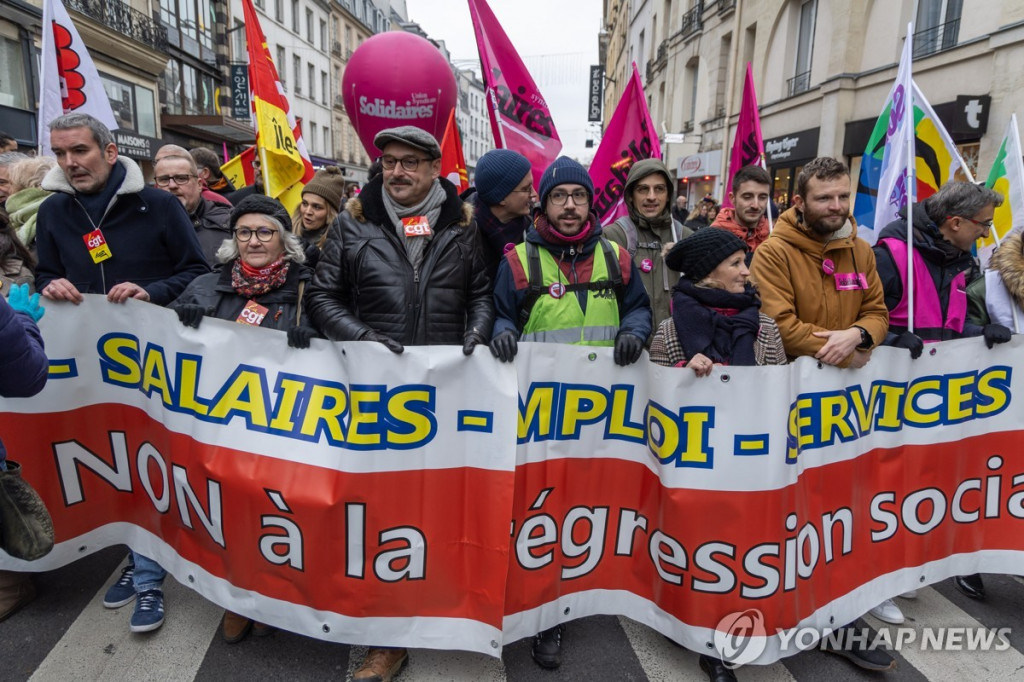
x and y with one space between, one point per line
285 162
453 162
239 169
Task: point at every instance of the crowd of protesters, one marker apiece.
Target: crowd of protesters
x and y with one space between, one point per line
503 263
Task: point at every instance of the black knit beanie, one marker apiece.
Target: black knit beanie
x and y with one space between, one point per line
258 203
703 251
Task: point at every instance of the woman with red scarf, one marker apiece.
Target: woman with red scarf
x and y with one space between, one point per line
716 317
261 284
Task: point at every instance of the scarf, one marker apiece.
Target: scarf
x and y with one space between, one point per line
251 282
429 207
721 325
552 236
22 207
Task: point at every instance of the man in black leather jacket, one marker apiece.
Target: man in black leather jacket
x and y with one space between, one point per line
403 264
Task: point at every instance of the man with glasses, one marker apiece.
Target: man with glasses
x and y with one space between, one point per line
567 284
177 174
104 231
648 228
403 265
946 226
504 202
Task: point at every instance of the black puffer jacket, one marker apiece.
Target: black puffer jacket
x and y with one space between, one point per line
364 280
211 222
214 292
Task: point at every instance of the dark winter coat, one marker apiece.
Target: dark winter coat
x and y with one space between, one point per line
364 280
210 219
23 363
151 239
214 292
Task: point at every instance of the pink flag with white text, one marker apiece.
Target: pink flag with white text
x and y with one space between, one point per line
747 146
520 119
630 137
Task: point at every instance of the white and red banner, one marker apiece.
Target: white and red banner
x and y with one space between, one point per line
432 500
68 80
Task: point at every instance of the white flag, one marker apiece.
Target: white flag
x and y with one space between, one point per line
68 81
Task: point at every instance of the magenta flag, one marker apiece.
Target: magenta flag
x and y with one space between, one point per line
520 119
630 137
747 146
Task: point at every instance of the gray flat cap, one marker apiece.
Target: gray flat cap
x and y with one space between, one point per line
410 135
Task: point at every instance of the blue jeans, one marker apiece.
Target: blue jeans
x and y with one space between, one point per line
149 575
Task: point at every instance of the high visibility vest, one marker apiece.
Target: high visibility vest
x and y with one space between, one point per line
556 315
929 322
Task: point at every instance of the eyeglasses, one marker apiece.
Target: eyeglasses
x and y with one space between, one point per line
264 234
409 163
986 224
525 190
164 180
559 196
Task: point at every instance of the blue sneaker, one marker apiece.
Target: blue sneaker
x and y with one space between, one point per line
149 611
123 591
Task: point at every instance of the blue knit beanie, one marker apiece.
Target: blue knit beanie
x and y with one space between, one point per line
498 172
564 171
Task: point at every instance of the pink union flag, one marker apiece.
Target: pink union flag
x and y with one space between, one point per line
630 137
747 146
520 119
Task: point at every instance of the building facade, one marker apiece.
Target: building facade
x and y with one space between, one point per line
822 70
471 115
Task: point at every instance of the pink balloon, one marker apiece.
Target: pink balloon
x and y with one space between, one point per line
396 79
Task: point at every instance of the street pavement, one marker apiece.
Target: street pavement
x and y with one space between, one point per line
67 635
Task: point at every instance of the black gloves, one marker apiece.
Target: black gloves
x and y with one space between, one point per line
473 339
191 315
911 342
995 333
628 348
392 345
298 337
504 346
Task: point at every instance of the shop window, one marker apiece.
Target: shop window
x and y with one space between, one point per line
937 26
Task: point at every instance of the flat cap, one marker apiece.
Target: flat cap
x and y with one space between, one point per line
410 135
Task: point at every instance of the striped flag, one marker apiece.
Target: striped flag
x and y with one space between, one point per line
453 161
68 80
1006 178
285 162
882 189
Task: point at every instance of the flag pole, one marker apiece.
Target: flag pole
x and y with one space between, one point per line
910 183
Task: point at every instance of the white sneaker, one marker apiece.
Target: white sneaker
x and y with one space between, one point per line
889 612
909 594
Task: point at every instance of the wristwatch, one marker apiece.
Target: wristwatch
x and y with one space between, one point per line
865 339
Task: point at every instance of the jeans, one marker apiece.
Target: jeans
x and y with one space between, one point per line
149 575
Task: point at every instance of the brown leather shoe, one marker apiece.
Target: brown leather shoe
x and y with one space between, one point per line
234 628
381 665
16 590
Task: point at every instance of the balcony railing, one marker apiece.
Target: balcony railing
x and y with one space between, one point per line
659 61
692 20
799 83
726 6
937 38
123 19
335 48
339 101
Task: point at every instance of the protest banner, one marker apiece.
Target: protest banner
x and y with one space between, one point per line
348 494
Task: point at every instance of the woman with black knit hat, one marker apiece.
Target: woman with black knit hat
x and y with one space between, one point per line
716 317
322 201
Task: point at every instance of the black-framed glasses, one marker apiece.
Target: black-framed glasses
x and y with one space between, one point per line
559 196
164 180
264 234
409 163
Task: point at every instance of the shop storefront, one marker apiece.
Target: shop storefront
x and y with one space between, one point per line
786 156
697 176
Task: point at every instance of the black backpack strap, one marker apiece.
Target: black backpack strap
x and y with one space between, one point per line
611 260
536 288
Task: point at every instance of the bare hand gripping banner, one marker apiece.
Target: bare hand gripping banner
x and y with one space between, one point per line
348 494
